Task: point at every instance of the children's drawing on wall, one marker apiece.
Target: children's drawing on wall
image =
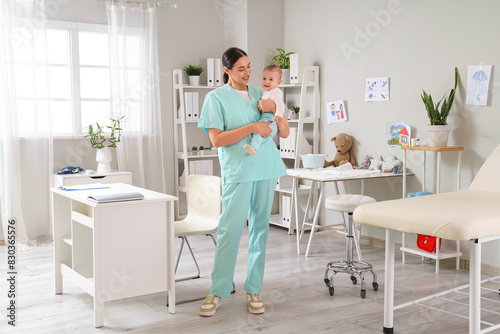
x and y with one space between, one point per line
336 111
397 134
377 89
478 82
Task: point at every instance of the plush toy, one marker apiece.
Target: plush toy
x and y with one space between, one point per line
343 144
366 162
390 163
376 164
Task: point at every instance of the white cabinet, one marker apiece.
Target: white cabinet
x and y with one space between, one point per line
440 253
114 250
188 135
304 138
67 180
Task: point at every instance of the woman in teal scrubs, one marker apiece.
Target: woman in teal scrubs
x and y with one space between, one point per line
230 115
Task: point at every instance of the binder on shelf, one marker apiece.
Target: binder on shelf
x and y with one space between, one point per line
296 68
293 141
285 210
210 72
188 105
218 72
195 106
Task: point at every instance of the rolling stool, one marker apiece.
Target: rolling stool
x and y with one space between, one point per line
347 203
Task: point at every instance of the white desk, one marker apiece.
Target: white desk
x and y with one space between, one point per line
323 176
114 250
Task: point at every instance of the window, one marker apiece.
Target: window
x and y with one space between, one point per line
79 85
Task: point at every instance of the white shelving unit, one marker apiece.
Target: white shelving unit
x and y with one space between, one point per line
306 96
186 135
440 254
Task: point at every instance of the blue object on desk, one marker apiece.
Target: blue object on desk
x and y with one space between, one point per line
78 189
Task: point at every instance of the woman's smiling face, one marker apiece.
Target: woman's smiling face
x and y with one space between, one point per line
240 73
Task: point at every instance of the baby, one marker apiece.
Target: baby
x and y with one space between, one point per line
271 79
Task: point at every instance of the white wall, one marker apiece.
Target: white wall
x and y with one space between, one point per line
416 44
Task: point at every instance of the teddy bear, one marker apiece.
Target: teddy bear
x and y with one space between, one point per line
343 144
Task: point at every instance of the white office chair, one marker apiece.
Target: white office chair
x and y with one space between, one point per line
204 208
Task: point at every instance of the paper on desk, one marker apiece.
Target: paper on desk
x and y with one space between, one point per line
345 170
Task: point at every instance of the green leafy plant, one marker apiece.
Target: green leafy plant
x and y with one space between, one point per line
296 109
282 59
436 116
97 137
193 70
194 150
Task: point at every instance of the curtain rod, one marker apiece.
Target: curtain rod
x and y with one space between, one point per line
156 3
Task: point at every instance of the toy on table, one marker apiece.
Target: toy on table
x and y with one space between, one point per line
376 164
343 144
392 164
366 162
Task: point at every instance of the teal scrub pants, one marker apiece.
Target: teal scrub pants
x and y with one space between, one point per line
238 200
257 139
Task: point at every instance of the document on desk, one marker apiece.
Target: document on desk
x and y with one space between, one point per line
329 173
110 198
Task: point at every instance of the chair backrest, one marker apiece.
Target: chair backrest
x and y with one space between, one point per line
204 196
488 177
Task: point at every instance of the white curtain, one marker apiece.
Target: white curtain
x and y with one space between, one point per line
25 136
135 91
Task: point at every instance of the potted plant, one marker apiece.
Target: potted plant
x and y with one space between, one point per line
294 113
438 129
194 73
282 59
194 150
98 141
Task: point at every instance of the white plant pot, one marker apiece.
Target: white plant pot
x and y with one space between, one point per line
285 76
103 158
437 135
194 80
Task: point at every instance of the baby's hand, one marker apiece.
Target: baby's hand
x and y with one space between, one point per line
278 119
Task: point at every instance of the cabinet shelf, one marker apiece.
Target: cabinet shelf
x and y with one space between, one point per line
304 132
186 135
443 253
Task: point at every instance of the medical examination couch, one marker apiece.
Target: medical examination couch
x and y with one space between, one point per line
472 215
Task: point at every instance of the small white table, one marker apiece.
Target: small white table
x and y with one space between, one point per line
323 176
114 250
439 254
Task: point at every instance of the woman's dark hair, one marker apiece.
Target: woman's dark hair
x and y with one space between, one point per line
230 57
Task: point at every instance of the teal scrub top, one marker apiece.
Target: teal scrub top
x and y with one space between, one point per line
225 109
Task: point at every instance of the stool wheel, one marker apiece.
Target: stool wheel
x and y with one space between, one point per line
331 290
375 286
327 282
354 280
363 293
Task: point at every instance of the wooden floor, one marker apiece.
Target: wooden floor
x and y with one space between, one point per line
296 298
